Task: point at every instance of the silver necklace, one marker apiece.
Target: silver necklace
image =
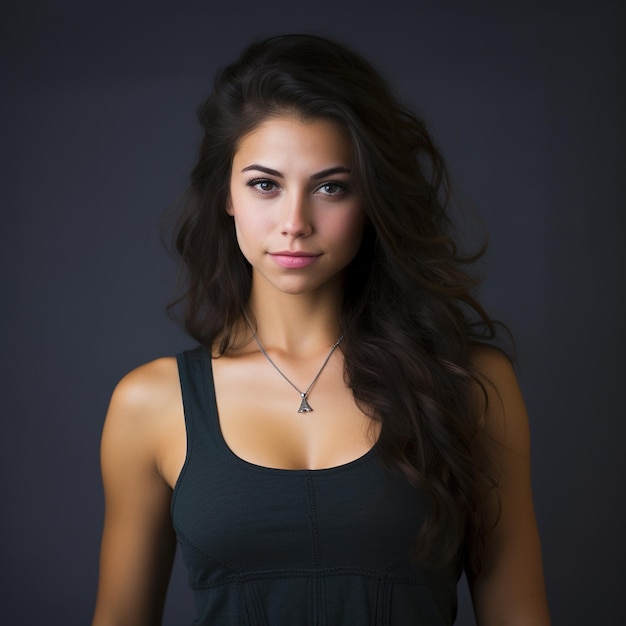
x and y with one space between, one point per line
305 407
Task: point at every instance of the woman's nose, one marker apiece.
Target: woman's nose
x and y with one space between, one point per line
296 221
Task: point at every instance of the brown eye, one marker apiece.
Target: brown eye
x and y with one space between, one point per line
333 189
262 185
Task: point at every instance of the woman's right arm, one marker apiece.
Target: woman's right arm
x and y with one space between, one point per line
138 541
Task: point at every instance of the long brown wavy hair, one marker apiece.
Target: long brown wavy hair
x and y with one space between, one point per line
409 315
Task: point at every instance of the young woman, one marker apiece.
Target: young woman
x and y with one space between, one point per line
343 442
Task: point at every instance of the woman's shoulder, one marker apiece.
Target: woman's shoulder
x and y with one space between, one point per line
146 393
144 414
495 370
148 382
490 361
499 396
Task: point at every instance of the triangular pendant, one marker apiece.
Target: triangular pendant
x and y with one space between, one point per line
305 407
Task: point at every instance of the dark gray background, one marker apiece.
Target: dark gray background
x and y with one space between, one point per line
99 133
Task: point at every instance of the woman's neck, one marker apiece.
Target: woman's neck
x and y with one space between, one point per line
295 324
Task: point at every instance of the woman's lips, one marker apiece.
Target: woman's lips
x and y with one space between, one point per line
294 260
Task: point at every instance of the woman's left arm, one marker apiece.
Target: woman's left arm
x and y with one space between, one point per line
509 590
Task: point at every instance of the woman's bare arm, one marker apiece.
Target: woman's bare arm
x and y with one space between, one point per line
138 542
509 591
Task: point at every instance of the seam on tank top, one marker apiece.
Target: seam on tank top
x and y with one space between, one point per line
311 601
382 610
254 608
182 539
386 602
316 601
322 602
259 608
375 614
310 495
308 573
242 609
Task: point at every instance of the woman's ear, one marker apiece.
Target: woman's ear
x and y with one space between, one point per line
229 206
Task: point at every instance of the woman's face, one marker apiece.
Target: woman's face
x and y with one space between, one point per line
298 216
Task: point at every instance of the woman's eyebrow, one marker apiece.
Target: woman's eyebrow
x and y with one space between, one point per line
265 170
330 171
323 174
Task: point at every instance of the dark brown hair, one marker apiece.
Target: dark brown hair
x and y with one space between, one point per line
409 317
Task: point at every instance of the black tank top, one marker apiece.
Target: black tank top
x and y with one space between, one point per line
276 547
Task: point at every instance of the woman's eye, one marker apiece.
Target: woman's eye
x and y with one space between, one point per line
332 189
262 185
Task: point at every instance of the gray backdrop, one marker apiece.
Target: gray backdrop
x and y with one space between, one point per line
99 133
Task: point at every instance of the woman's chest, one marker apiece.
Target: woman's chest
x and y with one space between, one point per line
260 422
254 518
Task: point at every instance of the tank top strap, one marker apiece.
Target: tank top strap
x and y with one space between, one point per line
196 381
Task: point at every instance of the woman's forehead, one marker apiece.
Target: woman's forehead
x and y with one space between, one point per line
283 139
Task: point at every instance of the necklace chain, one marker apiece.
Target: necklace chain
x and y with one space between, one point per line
305 407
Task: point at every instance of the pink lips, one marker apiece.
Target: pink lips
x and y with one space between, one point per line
294 260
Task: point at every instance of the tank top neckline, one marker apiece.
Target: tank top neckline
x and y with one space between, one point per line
236 459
